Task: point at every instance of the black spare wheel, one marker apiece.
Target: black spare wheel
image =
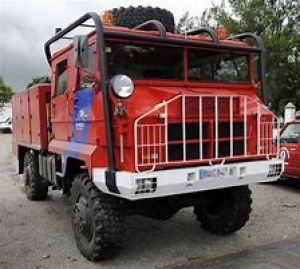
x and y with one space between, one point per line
133 16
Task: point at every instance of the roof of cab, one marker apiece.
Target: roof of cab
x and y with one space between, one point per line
170 36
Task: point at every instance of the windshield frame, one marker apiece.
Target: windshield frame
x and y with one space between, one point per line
186 49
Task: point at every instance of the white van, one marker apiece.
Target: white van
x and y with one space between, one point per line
6 118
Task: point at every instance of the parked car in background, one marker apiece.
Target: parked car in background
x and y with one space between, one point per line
6 119
290 149
6 127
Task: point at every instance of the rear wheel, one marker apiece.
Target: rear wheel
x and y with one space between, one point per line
97 222
36 187
133 16
224 211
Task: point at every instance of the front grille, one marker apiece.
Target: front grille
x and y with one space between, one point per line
175 131
190 129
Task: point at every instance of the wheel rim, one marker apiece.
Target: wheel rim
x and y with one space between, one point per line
214 204
82 218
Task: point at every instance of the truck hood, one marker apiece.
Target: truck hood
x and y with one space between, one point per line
146 97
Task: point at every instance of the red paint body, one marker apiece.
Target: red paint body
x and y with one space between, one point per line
291 147
30 113
29 118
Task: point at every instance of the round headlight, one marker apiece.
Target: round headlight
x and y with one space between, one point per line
122 86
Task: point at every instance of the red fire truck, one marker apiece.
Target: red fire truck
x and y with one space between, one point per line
290 149
139 120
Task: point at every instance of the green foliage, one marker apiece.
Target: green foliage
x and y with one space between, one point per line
38 80
187 23
5 92
278 23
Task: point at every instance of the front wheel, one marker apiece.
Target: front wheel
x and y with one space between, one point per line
224 211
96 220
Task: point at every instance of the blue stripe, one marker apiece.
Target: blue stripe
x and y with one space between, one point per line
80 122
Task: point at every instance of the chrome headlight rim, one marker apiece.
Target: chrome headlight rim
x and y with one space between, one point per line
122 86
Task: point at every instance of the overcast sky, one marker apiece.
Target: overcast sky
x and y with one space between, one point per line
26 24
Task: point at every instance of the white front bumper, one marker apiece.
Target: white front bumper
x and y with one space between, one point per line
192 179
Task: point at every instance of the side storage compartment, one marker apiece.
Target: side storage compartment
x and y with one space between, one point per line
21 115
30 118
39 98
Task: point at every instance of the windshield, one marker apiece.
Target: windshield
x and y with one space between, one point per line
144 61
290 134
140 61
217 67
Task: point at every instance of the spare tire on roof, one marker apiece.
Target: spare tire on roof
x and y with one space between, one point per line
133 16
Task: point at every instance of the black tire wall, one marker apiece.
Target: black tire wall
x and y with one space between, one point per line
133 16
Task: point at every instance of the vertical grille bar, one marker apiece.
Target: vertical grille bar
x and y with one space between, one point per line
142 131
258 130
267 138
166 133
154 143
200 129
277 134
216 128
183 128
148 145
231 124
160 145
245 126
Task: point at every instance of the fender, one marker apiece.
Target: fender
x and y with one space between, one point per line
89 154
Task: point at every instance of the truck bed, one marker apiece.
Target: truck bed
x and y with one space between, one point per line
30 117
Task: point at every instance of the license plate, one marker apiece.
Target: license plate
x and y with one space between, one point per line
217 172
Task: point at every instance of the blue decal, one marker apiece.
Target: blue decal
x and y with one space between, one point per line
80 122
81 114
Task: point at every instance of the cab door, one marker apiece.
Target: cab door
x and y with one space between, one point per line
62 100
290 145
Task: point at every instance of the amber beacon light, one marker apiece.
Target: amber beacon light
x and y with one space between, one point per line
221 32
108 18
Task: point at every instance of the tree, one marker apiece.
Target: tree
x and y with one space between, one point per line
278 23
187 23
5 92
38 80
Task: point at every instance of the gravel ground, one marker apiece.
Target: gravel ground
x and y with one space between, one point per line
38 235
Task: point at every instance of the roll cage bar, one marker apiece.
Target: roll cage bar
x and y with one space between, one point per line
161 38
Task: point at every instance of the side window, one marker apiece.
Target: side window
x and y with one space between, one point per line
290 134
61 76
87 77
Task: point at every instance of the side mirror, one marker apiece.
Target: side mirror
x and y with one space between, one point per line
81 48
298 139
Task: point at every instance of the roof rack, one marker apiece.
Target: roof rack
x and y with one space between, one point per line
205 30
254 37
153 25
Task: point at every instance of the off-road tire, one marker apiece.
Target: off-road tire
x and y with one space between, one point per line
133 16
224 211
102 236
36 187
